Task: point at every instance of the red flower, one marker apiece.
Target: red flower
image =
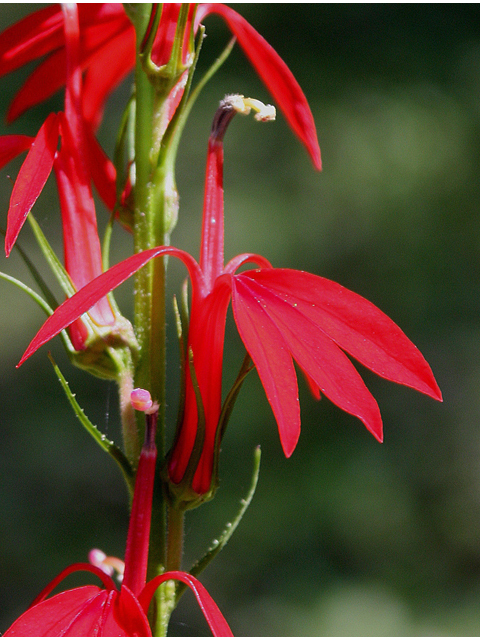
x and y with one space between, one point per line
93 611
281 315
107 55
106 612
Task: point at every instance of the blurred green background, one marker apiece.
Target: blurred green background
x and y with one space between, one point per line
348 537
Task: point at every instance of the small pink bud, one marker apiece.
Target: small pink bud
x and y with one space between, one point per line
141 399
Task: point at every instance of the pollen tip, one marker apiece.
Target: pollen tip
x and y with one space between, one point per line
142 401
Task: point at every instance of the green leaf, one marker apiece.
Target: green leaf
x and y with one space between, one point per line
107 445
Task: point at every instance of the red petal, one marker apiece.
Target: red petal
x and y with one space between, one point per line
106 70
12 146
354 323
126 617
101 169
41 32
91 293
31 178
211 252
212 613
41 83
205 338
270 353
103 33
285 90
83 256
317 354
84 612
53 617
32 37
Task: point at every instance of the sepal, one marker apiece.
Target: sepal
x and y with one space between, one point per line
218 544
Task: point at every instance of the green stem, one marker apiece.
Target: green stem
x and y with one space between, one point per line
150 324
166 598
176 519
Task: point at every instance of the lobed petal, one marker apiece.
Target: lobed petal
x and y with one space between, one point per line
270 353
106 34
106 70
320 357
355 324
12 146
205 338
35 35
101 168
84 612
91 293
278 78
83 255
53 617
31 178
212 613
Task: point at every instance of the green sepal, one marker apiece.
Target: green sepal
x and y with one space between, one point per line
181 323
177 124
123 160
232 395
41 303
107 349
50 256
33 294
164 77
107 445
218 544
44 288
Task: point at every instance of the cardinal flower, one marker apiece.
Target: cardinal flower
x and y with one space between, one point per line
107 55
106 611
281 315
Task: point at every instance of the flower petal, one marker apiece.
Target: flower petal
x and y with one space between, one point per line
280 81
33 36
31 178
126 617
102 170
104 27
354 323
83 254
319 356
270 353
212 613
205 338
12 146
106 69
211 251
53 617
91 293
84 612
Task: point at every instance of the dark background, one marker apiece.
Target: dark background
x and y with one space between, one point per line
348 537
